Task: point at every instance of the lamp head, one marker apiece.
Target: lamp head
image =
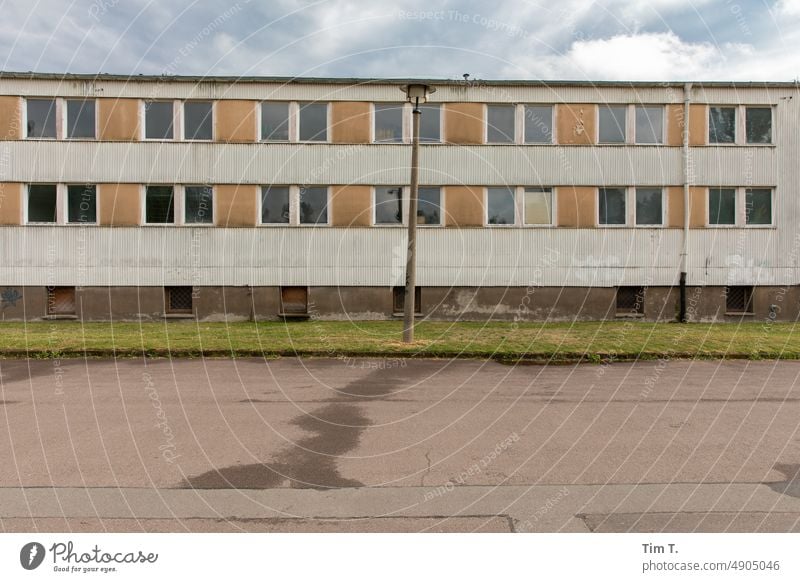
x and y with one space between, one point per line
417 92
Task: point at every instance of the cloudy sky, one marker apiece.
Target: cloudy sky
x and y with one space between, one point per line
524 39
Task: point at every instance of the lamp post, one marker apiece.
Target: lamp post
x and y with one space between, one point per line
415 94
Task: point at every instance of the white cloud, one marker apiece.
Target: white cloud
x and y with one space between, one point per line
788 8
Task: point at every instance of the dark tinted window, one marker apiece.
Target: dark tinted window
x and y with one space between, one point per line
42 203
41 115
430 123
275 121
82 203
758 122
538 124
722 125
199 204
198 120
500 124
721 206
80 118
389 122
429 208
612 123
159 208
500 206
313 122
275 205
158 119
612 205
649 206
388 205
314 205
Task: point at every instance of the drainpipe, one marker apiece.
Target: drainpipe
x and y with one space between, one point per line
687 98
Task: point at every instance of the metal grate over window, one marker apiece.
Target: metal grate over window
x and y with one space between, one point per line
630 300
399 299
179 299
61 300
739 299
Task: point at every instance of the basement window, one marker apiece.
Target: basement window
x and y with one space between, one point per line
611 206
500 207
721 125
198 120
159 205
649 207
199 204
42 203
611 123
399 300
82 204
758 124
61 301
388 122
538 206
430 125
388 205
649 124
758 206
538 124
314 205
178 300
313 121
294 301
41 118
159 120
275 205
500 123
722 206
275 121
739 299
630 301
429 206
81 118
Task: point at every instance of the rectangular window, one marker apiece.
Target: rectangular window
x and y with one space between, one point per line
431 123
82 204
611 123
399 300
314 205
538 206
611 206
722 206
389 122
429 206
41 114
294 301
649 207
500 207
275 121
721 125
159 120
178 299
198 204
739 299
42 203
61 301
758 124
500 123
538 124
275 205
630 300
758 206
313 122
159 205
649 124
198 120
80 118
388 205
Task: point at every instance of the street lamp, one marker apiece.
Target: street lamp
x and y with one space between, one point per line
416 94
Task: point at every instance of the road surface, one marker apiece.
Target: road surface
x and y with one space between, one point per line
398 445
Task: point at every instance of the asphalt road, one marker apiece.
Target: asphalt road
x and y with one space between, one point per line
398 445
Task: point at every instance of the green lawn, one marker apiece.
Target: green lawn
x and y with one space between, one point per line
593 341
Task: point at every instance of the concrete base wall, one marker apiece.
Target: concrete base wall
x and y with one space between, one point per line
376 303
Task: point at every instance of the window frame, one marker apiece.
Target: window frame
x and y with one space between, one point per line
290 121
521 190
626 198
514 125
296 197
772 126
182 195
635 125
771 207
664 202
177 120
405 127
626 138
177 206
515 197
59 115
65 209
66 118
296 123
441 206
740 199
182 116
404 196
522 125
737 131
409 112
60 202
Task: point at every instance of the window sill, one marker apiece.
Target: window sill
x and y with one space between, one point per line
295 316
64 316
400 314
739 313
179 316
626 315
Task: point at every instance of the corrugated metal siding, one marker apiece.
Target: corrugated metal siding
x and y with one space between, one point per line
478 91
48 161
335 256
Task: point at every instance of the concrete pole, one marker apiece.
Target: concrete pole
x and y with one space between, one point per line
411 259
